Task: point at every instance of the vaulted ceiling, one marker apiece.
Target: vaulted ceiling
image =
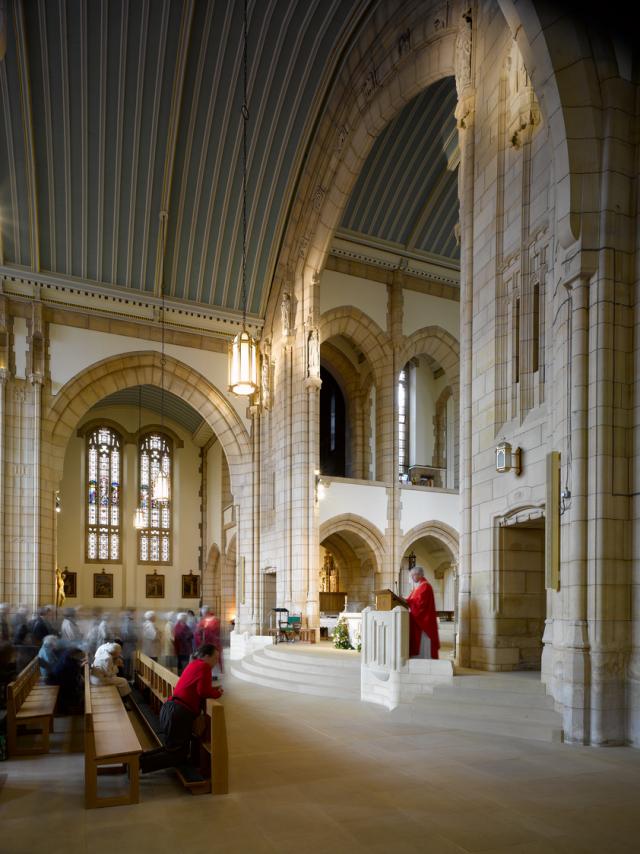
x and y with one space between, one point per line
111 112
407 191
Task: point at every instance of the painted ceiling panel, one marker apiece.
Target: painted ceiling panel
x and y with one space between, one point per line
406 193
14 195
135 108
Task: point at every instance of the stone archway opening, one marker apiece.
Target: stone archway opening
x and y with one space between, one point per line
348 574
439 563
215 427
347 410
521 601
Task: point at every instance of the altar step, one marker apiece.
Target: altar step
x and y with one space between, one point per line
285 667
512 704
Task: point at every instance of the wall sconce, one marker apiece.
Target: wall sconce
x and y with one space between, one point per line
507 459
58 502
321 487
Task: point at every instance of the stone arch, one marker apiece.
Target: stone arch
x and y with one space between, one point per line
360 526
447 535
61 418
354 324
440 345
144 368
443 348
361 107
546 53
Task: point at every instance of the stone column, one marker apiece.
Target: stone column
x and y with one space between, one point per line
573 632
465 116
39 586
389 435
608 605
3 504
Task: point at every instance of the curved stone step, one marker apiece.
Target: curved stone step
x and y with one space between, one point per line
345 659
261 665
239 670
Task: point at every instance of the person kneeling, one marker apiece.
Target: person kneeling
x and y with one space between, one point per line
104 670
178 714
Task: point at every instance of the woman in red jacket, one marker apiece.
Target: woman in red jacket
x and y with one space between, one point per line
179 712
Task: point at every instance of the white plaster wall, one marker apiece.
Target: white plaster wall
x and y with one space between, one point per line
420 505
369 502
72 350
426 310
423 410
129 576
337 289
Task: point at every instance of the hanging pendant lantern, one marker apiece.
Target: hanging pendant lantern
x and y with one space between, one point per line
243 350
243 364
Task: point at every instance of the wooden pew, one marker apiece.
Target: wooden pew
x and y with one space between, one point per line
158 683
109 739
32 704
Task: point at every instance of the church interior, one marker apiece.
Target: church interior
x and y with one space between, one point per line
305 306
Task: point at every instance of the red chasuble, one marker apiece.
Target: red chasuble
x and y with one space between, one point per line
423 618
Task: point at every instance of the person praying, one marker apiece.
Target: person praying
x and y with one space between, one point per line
179 713
424 641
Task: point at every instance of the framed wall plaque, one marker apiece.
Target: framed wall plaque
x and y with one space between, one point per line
191 586
155 586
102 585
70 584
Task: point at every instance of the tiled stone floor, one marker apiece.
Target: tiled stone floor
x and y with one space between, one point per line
315 775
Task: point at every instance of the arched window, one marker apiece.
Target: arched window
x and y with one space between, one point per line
403 421
103 496
154 539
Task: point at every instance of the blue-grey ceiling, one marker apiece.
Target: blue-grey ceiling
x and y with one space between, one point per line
407 192
150 397
134 106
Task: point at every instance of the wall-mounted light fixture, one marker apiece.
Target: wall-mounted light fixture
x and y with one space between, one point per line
321 486
508 459
58 502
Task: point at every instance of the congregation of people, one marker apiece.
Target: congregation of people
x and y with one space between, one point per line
63 639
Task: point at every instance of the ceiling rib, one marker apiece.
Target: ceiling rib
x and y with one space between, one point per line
151 215
208 123
64 62
177 93
203 147
292 112
13 180
122 76
142 49
102 142
255 122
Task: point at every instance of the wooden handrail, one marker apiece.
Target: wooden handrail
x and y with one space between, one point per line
161 683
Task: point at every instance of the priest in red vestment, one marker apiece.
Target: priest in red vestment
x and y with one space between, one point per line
423 620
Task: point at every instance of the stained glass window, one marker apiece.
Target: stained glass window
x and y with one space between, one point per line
403 421
154 539
104 464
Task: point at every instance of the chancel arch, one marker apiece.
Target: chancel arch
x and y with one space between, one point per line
351 553
116 375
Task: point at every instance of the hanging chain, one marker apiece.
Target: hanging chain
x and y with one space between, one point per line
245 119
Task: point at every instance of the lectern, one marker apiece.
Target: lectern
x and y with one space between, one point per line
387 600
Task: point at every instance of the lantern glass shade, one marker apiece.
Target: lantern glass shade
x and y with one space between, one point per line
504 461
243 364
160 489
138 518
